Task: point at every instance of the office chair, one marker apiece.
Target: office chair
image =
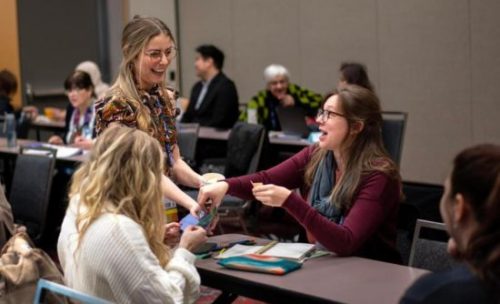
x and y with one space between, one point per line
187 139
243 155
430 251
393 131
45 287
30 190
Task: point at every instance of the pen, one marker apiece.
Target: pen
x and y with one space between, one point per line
242 242
266 247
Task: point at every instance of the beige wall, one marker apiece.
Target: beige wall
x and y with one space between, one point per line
9 51
437 60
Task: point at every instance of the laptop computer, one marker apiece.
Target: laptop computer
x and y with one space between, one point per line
293 121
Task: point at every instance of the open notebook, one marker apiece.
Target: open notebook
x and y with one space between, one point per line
61 151
293 251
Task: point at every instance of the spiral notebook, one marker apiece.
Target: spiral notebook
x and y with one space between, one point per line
292 251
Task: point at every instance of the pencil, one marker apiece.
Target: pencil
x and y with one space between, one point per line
266 247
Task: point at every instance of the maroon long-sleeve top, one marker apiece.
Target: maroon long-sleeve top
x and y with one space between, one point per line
369 227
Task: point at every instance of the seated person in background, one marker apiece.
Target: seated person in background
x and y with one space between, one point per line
355 73
214 99
79 128
100 87
470 208
350 187
112 241
279 93
8 87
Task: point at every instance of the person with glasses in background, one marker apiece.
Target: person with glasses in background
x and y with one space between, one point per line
139 98
214 99
350 189
279 92
79 127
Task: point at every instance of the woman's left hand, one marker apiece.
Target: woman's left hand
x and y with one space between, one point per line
271 195
172 234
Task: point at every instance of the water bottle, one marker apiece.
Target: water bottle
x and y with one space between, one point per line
29 94
10 130
170 211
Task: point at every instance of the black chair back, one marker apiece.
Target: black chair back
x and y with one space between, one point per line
30 190
393 131
244 147
187 140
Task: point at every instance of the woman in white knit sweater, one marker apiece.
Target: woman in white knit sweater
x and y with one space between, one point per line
112 238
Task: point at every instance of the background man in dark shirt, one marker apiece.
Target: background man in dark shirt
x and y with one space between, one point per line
214 99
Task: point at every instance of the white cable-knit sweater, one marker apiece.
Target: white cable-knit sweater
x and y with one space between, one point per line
114 262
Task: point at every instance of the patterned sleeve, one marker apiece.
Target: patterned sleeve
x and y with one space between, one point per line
258 103
308 99
113 109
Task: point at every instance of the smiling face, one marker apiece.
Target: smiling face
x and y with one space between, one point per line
149 68
334 128
278 86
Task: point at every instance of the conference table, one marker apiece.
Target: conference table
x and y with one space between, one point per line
9 155
14 151
275 138
327 279
208 133
47 125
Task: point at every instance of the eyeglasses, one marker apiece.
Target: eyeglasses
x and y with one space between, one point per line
326 114
170 53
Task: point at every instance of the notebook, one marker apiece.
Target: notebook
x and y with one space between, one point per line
292 251
293 121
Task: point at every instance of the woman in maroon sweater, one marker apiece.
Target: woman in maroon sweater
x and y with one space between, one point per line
350 188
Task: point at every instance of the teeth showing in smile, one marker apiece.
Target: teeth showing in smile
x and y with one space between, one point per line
159 71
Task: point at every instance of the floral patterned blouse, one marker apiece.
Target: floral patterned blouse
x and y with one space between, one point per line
116 107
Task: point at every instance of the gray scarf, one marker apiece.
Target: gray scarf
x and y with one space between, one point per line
322 185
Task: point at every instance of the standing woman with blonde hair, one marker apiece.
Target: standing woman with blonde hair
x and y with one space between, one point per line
350 188
139 99
111 243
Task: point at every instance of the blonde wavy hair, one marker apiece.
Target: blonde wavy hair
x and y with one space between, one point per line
366 152
136 35
123 175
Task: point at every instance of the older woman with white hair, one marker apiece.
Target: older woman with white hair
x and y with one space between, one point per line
279 92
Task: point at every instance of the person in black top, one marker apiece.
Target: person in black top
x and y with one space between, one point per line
214 99
470 208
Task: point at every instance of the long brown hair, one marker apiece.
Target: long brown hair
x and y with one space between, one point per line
476 175
366 153
123 174
136 35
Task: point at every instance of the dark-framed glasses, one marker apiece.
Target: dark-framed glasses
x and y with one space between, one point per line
327 114
170 53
